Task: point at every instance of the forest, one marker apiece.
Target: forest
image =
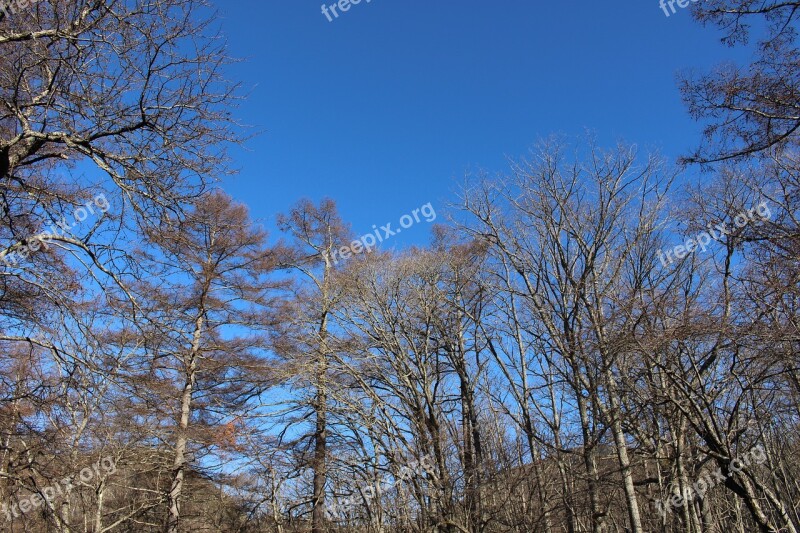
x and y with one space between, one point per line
595 338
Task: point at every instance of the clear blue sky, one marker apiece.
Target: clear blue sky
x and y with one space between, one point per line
386 107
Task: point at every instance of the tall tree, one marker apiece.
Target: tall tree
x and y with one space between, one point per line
208 298
577 236
317 233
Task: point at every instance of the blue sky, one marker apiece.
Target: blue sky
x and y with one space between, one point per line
387 107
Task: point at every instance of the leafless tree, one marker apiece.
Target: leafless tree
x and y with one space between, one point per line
208 298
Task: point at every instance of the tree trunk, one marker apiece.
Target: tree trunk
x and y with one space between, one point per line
622 456
320 462
179 463
590 464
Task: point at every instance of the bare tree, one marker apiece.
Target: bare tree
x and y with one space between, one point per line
752 108
209 274
317 232
574 235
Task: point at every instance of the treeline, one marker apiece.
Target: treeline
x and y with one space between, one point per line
595 341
